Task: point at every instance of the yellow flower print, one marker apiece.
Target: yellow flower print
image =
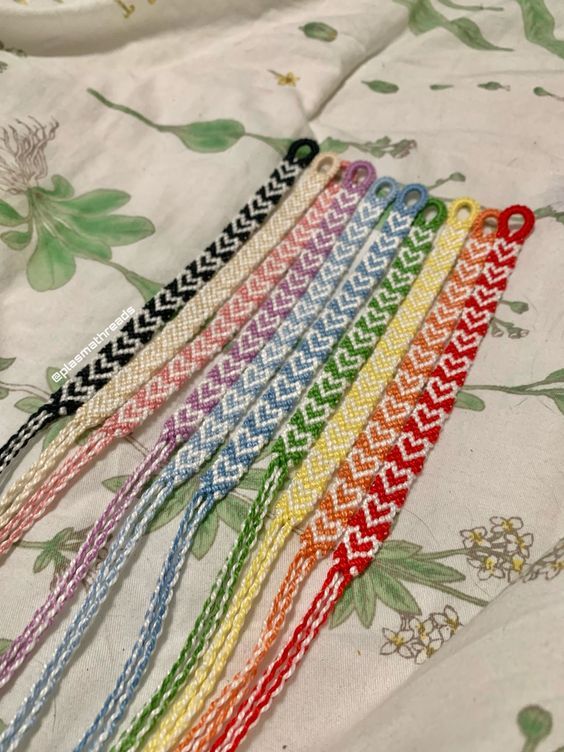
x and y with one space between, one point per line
285 79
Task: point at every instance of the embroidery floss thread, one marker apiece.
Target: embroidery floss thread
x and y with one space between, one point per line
234 313
372 522
231 464
160 309
201 402
313 348
354 475
306 423
332 446
166 344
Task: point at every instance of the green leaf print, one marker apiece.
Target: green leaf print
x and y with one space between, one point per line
334 144
146 287
398 549
61 188
319 30
535 723
94 202
233 511
364 595
392 592
423 18
493 86
539 26
57 551
51 265
516 306
55 429
440 87
9 216
64 226
540 92
115 483
29 404
52 384
469 402
550 212
214 135
344 608
205 535
6 363
16 240
382 87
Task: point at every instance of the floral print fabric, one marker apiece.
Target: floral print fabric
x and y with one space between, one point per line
143 128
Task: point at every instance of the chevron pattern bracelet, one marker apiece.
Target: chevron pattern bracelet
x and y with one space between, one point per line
372 523
216 482
310 479
194 356
199 402
344 494
165 304
222 419
168 342
322 397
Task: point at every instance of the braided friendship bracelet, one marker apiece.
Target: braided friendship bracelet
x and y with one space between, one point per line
194 356
352 350
202 444
354 476
315 472
199 402
372 523
235 459
167 343
160 309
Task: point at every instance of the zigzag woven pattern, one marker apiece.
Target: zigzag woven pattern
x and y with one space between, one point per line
168 342
302 429
237 456
160 309
313 475
371 524
353 478
201 401
194 356
177 428
221 421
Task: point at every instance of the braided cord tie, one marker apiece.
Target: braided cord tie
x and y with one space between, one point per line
315 472
372 522
160 309
242 449
167 343
194 356
208 438
300 432
354 475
